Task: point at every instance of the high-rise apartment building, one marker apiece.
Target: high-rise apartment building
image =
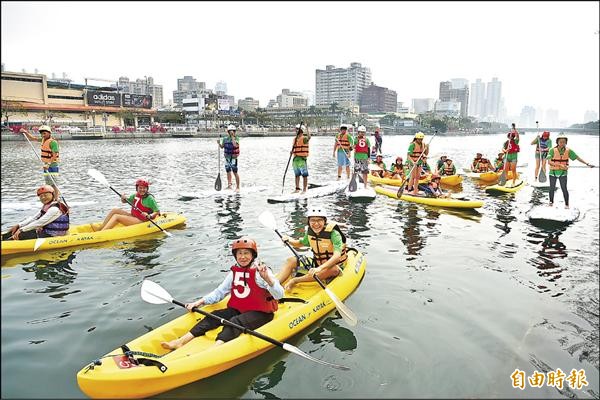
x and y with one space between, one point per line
492 99
527 117
341 85
459 83
421 106
477 99
188 87
289 99
377 99
460 94
590 116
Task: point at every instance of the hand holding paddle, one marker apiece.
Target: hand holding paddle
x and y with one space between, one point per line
97 175
268 220
153 293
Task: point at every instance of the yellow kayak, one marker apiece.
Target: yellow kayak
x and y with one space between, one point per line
507 188
489 176
115 378
450 180
430 201
83 234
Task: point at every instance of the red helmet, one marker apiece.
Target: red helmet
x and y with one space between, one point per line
399 158
546 134
435 176
45 189
142 182
244 243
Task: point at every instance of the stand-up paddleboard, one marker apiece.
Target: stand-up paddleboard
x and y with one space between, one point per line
545 213
225 192
361 193
507 188
321 191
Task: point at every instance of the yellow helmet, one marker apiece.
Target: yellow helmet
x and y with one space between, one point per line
44 128
419 135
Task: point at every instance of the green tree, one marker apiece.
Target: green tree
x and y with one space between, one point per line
439 124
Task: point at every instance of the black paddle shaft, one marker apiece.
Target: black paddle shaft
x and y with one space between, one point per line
232 324
148 219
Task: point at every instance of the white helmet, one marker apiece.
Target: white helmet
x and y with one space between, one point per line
343 126
316 212
362 128
302 128
231 128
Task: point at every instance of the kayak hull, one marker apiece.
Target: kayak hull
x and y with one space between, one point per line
83 234
437 202
198 359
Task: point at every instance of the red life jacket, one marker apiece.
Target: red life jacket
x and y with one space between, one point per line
246 295
137 202
512 146
361 146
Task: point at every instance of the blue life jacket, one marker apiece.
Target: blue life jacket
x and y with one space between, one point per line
60 226
230 149
544 144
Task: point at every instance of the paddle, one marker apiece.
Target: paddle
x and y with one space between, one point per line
502 178
153 293
49 174
290 157
97 175
268 220
401 189
218 180
542 175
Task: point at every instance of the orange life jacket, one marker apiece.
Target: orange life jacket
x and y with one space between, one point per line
47 155
300 148
417 150
344 143
561 158
322 246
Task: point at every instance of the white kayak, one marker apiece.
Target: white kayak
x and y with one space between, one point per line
321 191
361 193
222 192
553 214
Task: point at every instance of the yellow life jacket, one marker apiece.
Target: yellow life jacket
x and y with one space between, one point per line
322 246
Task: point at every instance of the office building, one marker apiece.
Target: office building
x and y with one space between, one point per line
421 106
289 99
477 99
341 85
527 117
492 100
448 94
248 104
187 87
377 99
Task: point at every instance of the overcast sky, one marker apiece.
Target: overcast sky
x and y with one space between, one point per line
545 53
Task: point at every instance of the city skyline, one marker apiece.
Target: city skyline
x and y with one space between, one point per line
258 58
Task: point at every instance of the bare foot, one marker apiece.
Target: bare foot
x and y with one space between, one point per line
290 285
237 189
566 206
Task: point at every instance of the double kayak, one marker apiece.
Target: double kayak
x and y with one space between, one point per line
450 180
506 188
392 192
119 376
85 234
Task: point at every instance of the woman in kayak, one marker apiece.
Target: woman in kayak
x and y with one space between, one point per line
558 159
144 207
52 220
432 189
254 291
328 245
448 168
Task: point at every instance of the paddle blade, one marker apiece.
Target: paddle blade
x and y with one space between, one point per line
38 243
502 179
153 293
352 184
97 175
218 182
542 177
268 220
295 350
343 309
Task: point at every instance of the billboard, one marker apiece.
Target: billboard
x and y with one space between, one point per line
108 99
223 104
137 100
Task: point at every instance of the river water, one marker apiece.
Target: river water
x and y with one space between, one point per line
451 305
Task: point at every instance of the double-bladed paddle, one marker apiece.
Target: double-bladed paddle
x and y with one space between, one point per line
268 220
153 293
97 175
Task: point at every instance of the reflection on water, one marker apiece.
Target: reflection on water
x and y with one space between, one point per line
59 271
412 238
268 381
330 331
230 220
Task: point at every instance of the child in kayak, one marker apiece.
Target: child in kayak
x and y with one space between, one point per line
397 169
52 220
144 208
499 162
432 189
379 162
328 245
448 168
254 291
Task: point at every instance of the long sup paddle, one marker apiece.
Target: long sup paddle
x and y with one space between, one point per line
153 293
97 175
218 180
268 220
401 189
